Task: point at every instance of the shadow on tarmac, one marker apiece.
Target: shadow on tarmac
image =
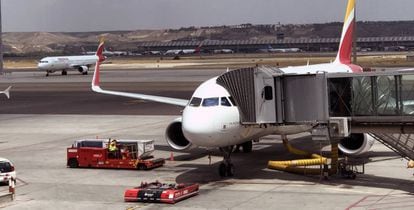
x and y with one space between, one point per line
251 166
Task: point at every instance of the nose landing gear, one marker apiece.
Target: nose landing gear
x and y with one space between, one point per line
226 168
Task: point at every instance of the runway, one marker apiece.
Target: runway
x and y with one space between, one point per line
46 114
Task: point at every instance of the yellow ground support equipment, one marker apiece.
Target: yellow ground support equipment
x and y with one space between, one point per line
304 166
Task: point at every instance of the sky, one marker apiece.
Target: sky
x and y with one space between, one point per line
108 15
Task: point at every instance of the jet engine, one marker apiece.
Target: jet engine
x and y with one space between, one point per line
356 144
83 69
175 136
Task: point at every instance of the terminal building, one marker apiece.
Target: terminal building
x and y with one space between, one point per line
397 43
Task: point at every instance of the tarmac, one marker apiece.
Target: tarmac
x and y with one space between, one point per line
46 114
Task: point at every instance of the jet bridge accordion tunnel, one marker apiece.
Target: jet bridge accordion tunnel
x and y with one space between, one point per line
378 103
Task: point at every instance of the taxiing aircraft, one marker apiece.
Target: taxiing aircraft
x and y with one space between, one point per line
212 119
82 63
6 92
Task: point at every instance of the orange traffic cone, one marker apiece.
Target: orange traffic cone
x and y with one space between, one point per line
172 156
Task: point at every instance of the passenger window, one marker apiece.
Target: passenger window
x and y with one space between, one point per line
224 101
232 101
210 102
195 102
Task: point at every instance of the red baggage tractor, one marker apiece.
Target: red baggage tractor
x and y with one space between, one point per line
160 192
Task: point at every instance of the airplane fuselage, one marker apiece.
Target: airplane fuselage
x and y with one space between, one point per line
66 62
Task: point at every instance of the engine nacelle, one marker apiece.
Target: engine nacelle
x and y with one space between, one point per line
83 69
175 136
356 144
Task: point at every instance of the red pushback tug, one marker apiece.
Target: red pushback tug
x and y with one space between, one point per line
130 154
161 192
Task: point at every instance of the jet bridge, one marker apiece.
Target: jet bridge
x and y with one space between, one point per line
337 104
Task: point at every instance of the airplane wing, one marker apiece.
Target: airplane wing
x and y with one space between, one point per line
160 99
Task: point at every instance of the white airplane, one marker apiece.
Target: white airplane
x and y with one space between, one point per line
184 51
173 52
82 63
6 92
269 49
223 51
211 118
193 51
108 53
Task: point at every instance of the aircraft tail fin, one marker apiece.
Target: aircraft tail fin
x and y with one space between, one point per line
198 48
99 51
7 92
345 45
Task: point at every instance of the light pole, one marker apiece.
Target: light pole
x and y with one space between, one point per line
1 45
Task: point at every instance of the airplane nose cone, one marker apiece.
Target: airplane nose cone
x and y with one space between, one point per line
40 66
199 125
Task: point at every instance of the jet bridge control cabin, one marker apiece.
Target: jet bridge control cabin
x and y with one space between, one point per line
368 102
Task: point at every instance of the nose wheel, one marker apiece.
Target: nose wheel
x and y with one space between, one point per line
226 168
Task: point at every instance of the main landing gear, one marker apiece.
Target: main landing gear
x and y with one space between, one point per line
64 72
226 168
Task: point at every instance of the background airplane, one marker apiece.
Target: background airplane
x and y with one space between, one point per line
211 117
6 92
184 51
270 49
223 51
82 63
107 53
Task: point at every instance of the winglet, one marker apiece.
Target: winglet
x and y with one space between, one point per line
99 51
345 45
95 79
7 92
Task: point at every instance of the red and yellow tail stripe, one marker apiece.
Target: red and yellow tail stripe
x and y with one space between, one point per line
345 45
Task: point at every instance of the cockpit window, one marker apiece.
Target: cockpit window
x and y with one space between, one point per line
232 101
210 102
195 102
224 101
43 62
